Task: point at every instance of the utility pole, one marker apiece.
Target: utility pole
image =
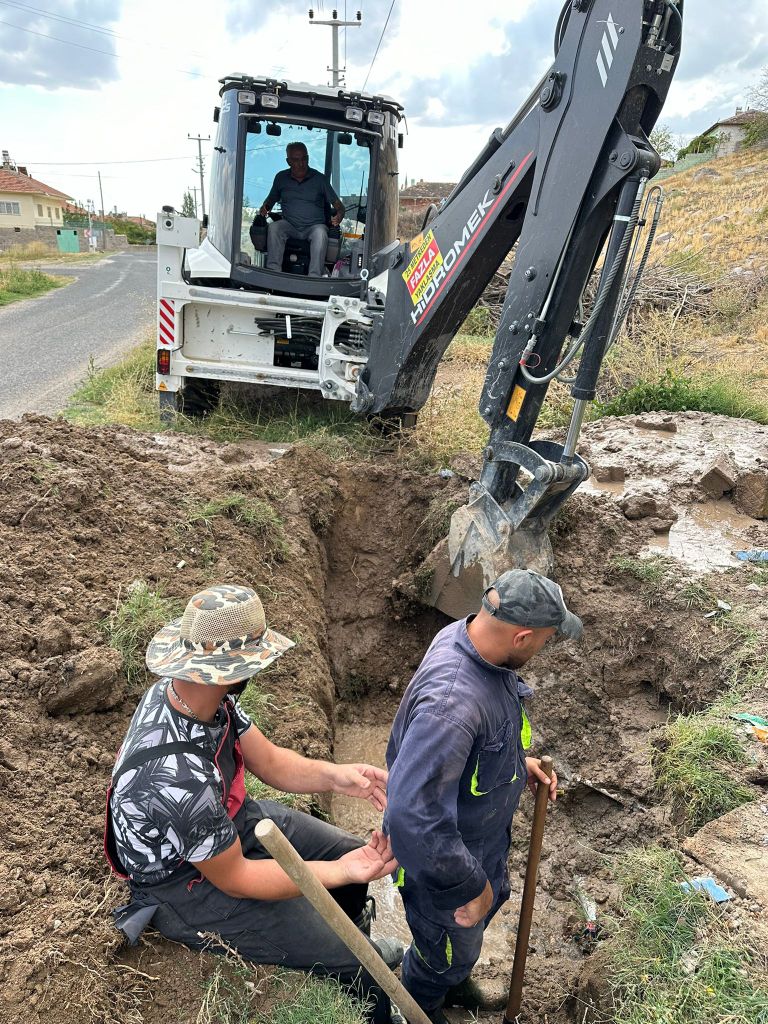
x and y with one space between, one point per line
335 24
200 140
193 189
103 225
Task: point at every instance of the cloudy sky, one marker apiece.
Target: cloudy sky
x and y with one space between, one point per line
117 85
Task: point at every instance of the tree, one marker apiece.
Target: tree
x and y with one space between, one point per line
188 205
757 130
662 141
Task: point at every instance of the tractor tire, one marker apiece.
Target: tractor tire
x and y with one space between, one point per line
198 398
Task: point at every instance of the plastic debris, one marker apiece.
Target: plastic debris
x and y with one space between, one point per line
744 716
586 904
722 609
752 556
703 883
446 474
757 724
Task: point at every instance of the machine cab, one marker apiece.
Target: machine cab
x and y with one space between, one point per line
351 141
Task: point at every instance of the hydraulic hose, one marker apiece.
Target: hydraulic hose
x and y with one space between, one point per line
600 301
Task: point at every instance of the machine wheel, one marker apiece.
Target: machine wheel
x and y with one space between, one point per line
198 398
391 423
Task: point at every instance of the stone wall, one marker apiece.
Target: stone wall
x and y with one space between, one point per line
12 238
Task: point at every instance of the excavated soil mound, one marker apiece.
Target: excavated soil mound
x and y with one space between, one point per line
87 513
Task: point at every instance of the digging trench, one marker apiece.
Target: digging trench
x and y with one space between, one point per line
598 705
110 502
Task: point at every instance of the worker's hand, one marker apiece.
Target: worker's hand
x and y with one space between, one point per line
367 863
474 911
263 211
535 774
336 219
363 781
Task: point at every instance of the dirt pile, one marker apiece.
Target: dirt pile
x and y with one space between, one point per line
87 513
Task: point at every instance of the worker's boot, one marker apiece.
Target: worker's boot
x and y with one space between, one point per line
464 994
438 1017
390 950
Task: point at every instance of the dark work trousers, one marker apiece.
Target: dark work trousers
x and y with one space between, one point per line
442 953
289 933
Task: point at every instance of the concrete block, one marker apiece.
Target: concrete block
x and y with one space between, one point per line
752 494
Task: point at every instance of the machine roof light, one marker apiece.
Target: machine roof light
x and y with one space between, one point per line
354 114
270 100
246 97
375 117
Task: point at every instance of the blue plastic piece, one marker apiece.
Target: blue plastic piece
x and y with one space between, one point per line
709 886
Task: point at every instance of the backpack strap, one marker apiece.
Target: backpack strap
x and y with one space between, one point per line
163 750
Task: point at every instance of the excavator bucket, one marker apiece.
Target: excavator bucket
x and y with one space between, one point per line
485 539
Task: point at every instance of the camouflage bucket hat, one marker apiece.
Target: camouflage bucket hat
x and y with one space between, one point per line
222 638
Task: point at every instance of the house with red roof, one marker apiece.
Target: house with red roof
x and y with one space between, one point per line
30 210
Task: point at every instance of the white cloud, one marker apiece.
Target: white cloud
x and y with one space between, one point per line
462 67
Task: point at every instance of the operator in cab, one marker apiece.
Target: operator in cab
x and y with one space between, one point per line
303 194
180 824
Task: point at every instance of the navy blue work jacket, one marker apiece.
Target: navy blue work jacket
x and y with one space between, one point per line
456 758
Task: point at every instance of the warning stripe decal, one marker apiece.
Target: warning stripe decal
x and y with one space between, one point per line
166 322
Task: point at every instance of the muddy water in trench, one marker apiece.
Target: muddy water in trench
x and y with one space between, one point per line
356 742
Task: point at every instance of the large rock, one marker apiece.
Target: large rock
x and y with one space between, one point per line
91 681
752 494
719 477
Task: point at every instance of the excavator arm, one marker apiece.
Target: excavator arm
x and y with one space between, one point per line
565 181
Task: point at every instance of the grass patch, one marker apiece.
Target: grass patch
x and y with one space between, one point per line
254 513
673 392
258 706
17 283
124 393
651 572
308 999
672 960
133 623
695 767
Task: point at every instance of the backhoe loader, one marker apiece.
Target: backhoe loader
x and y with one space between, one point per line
565 184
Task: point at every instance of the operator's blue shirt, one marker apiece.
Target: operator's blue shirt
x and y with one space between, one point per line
302 203
457 769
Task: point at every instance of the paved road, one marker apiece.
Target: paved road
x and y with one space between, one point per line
46 343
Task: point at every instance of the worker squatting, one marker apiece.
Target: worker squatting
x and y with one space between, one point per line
180 826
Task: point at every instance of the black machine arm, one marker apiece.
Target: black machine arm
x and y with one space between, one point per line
564 180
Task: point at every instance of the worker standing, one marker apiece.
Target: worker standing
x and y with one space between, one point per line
458 766
180 825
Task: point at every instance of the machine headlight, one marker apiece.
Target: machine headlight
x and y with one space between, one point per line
354 114
270 100
375 117
246 98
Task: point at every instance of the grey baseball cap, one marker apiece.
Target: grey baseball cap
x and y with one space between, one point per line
528 599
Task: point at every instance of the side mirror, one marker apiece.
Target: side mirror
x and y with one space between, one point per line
399 140
345 138
167 209
274 129
216 112
205 220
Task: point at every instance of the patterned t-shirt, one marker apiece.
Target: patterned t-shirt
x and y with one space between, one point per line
170 809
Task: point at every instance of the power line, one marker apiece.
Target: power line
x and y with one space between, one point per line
81 24
100 163
373 61
93 49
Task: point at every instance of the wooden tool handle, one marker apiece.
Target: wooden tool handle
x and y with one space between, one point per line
529 894
273 840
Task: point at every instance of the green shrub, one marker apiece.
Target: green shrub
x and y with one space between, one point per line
675 393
